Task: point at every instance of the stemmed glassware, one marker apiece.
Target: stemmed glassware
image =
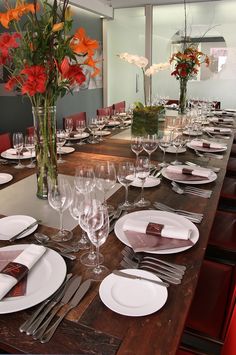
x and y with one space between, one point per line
80 128
126 175
61 140
105 174
177 142
150 144
164 143
137 145
93 128
30 146
18 144
101 122
60 198
69 124
142 172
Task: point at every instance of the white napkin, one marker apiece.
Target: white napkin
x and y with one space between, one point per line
13 151
220 130
213 145
167 231
28 257
223 119
194 171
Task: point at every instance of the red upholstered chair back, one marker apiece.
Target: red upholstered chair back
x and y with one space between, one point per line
229 347
80 116
119 107
5 142
30 131
170 102
105 111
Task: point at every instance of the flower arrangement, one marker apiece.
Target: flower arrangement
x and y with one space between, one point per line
43 60
142 63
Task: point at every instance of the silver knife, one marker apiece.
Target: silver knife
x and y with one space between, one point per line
83 289
136 277
60 300
24 230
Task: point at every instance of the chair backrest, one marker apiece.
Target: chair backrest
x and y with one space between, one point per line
80 116
105 111
5 142
30 131
119 106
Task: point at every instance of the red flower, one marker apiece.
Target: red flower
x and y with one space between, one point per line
7 42
14 81
72 72
33 87
36 80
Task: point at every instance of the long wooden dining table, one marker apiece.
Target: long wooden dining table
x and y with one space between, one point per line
92 328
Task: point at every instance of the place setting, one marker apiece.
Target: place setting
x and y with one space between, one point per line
5 178
207 146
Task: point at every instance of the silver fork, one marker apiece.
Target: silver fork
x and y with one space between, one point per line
188 188
216 170
181 190
210 155
171 209
193 219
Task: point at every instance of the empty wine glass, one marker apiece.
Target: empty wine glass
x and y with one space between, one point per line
75 211
85 179
61 140
176 143
69 125
60 198
101 122
137 145
80 128
98 237
30 146
164 143
18 144
150 144
93 129
142 172
126 175
105 174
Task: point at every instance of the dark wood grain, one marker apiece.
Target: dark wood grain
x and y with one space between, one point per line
92 328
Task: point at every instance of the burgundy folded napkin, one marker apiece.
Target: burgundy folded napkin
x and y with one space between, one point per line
17 269
149 236
206 144
13 151
187 174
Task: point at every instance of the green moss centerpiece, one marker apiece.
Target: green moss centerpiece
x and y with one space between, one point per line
145 119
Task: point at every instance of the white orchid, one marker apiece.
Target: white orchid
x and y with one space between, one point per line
155 68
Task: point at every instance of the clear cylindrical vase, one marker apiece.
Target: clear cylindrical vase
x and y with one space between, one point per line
182 95
45 147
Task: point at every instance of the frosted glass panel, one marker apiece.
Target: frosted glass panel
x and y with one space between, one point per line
126 33
220 81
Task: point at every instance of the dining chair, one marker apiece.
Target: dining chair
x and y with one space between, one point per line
80 116
231 167
119 106
105 111
211 310
172 101
222 240
227 200
30 131
5 142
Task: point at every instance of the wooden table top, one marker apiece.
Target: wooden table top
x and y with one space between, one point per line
92 328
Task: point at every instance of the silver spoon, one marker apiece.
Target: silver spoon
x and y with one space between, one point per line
45 240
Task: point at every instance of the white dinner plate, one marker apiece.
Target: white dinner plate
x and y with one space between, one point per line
133 298
113 123
65 150
192 133
172 149
207 150
151 181
102 133
4 178
43 280
11 225
221 120
212 177
221 130
7 155
78 136
161 218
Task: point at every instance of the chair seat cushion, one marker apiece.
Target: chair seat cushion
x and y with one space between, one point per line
231 167
229 188
223 232
208 308
233 150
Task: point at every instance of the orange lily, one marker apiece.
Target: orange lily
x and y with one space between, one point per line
89 61
82 44
16 13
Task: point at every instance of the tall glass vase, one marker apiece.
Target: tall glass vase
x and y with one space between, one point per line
182 95
45 147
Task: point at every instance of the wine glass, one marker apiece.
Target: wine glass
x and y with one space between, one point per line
150 144
60 198
85 180
77 197
137 145
176 143
101 122
80 128
164 143
97 238
30 146
18 143
105 174
126 175
69 125
93 129
61 140
142 172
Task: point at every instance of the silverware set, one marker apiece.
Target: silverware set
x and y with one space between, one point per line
41 325
213 168
192 216
170 272
206 154
192 190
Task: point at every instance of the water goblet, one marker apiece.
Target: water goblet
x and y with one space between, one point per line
80 128
164 143
101 122
176 143
105 174
18 143
61 140
60 198
126 175
84 179
137 145
30 146
150 144
93 129
142 172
